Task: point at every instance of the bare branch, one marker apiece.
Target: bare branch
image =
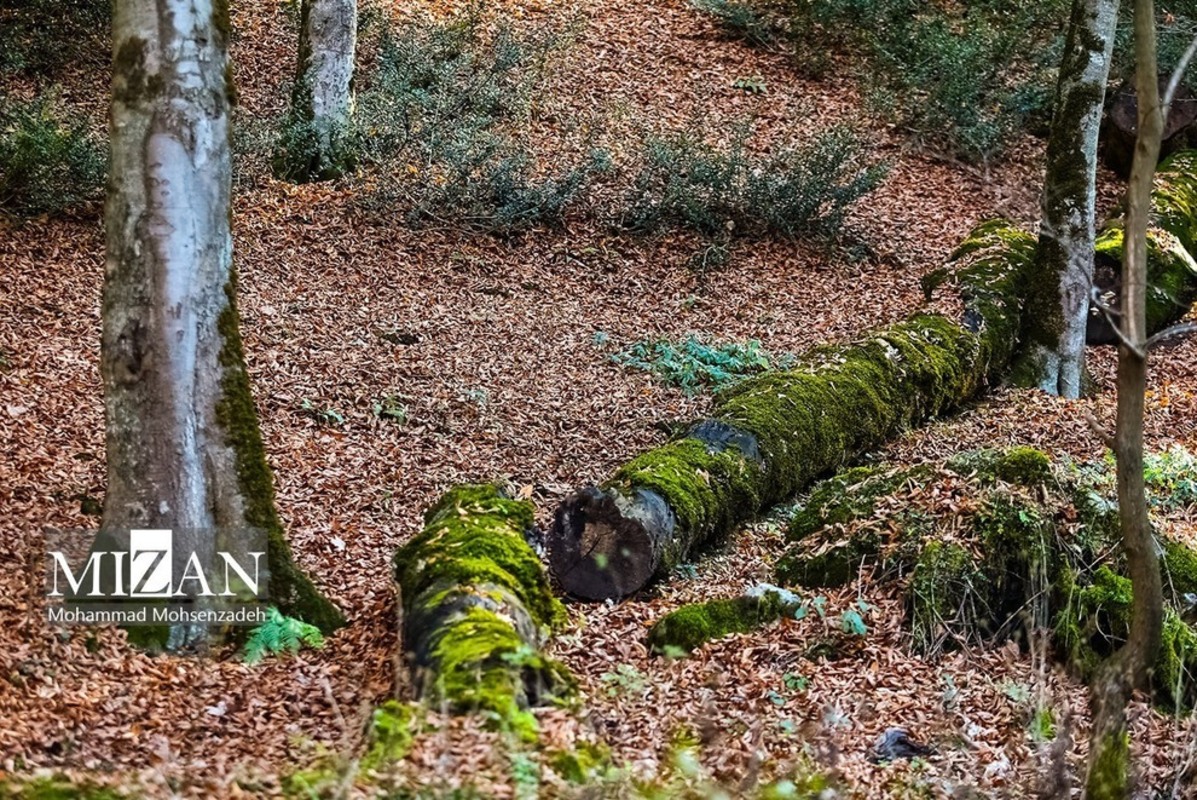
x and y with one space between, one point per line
1101 432
1177 74
1110 315
1183 329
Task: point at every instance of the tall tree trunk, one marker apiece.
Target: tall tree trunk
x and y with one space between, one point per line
321 102
1058 306
1109 770
184 448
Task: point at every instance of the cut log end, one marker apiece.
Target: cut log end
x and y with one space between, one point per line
1123 121
601 545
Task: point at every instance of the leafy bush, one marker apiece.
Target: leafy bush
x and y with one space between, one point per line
728 191
40 36
280 634
46 163
439 124
693 365
1171 477
961 76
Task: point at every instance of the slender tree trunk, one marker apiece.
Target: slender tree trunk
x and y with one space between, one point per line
322 101
184 448
1059 305
1109 770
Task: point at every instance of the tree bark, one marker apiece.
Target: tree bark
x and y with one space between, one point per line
772 435
322 101
1109 774
1058 305
184 448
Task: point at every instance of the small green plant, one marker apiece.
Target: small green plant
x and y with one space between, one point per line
47 164
325 415
625 680
391 407
693 365
280 634
721 192
1171 477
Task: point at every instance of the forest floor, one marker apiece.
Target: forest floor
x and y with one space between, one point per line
502 379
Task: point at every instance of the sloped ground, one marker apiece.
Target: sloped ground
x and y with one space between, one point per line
501 379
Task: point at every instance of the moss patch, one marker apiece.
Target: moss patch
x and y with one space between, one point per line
476 605
691 626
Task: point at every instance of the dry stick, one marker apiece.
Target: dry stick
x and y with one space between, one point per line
1177 74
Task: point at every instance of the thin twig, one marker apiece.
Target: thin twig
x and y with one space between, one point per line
1177 74
1183 329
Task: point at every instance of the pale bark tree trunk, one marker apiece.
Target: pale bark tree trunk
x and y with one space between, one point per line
1059 306
184 447
1109 773
322 101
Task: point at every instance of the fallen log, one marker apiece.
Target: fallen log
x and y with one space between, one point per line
1122 126
476 608
771 435
690 626
1171 245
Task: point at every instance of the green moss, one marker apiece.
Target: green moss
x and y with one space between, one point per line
1171 273
943 596
1174 199
475 536
1020 464
581 765
291 590
709 490
132 84
824 567
1109 769
1180 567
57 788
691 626
476 600
393 727
847 496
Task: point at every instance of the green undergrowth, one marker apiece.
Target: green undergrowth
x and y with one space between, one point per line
966 78
49 163
694 365
799 188
477 604
442 126
280 634
58 788
989 544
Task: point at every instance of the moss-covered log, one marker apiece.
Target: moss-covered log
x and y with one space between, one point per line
476 608
693 625
986 542
770 436
1171 254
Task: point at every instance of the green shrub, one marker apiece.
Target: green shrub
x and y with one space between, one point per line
443 123
693 365
961 76
47 164
38 37
729 191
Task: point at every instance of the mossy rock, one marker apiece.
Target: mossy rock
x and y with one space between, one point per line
991 539
691 626
1095 621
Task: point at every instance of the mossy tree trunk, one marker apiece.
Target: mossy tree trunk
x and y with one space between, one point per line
476 608
770 436
316 145
1108 773
184 448
1058 303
